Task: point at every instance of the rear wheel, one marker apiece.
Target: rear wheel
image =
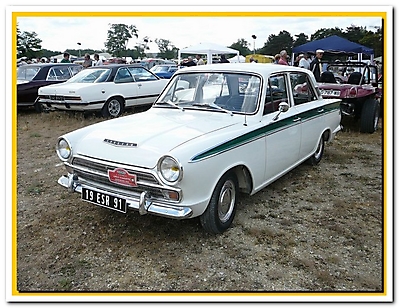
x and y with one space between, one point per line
370 115
222 207
318 154
113 107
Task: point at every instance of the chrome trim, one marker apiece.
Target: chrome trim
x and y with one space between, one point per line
144 204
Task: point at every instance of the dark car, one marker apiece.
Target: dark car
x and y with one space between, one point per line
164 70
31 77
359 92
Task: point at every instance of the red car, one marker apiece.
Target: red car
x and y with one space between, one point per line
360 93
31 77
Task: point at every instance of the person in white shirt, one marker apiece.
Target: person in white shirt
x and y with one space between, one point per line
303 61
199 60
98 60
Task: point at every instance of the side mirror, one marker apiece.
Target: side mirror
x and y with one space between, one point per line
282 107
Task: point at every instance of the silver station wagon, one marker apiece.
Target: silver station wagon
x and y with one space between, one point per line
214 131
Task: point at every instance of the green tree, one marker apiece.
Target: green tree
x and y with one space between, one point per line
28 44
242 46
166 49
301 39
276 43
324 32
373 40
354 33
118 37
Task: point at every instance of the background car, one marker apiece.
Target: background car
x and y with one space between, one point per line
233 128
31 77
164 71
360 92
109 88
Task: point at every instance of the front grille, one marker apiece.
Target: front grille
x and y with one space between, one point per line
95 173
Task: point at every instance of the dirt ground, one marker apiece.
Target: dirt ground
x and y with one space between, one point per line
317 229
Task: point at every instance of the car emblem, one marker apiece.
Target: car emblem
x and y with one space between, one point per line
120 143
122 177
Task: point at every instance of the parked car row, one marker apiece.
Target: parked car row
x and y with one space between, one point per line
214 131
33 76
109 88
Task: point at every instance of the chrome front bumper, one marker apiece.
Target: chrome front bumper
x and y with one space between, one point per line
144 204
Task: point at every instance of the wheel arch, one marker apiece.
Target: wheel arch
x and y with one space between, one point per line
244 178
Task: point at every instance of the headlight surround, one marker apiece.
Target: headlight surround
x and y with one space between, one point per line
63 149
170 170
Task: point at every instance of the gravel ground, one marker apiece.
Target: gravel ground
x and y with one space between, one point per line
317 229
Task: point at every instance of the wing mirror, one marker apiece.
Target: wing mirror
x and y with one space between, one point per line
282 107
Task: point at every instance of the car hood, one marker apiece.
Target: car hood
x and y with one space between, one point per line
141 139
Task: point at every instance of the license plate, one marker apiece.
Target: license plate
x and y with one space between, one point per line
330 92
57 98
104 200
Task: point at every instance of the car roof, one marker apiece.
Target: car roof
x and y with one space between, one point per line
260 68
115 65
52 64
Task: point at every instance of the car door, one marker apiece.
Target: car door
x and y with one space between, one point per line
283 133
125 86
310 109
148 85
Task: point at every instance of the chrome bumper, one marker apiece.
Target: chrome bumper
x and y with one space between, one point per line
144 204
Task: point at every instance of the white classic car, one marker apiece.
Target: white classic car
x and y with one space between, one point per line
109 89
233 127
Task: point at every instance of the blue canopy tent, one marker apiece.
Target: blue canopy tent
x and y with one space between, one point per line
334 45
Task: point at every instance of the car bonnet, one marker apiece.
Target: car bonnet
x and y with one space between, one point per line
141 139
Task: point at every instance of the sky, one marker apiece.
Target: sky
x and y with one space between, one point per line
63 32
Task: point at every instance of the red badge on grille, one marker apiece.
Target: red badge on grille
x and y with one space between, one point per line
122 177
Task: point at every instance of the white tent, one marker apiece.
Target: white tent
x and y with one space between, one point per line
237 59
208 49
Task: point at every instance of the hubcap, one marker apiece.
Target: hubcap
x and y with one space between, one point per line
227 200
114 107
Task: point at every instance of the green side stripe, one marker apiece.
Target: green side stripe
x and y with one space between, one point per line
262 131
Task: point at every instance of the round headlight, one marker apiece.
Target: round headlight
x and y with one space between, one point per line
63 149
169 169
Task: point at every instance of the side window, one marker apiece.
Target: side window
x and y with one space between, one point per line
75 69
123 76
301 89
62 73
140 74
51 75
276 93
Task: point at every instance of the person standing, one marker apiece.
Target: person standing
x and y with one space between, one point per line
87 62
316 66
98 60
66 58
189 62
223 59
199 60
303 61
283 58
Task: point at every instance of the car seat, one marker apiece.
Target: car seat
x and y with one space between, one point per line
327 77
355 78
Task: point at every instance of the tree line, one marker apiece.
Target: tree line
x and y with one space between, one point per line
118 36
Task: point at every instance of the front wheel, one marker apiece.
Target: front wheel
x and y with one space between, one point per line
318 154
113 107
222 207
370 115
